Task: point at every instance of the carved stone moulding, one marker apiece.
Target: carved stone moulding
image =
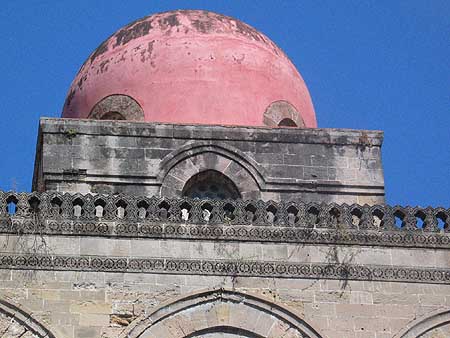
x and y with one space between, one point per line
227 268
239 233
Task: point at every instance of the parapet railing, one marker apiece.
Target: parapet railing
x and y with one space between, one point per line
126 208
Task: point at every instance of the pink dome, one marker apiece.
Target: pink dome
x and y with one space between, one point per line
191 66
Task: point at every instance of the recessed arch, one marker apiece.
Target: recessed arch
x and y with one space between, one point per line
287 122
424 326
181 172
282 114
182 164
22 320
117 107
221 311
191 149
210 184
229 331
112 115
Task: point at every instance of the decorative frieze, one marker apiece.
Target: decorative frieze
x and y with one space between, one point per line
247 268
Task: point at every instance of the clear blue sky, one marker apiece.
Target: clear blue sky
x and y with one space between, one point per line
368 64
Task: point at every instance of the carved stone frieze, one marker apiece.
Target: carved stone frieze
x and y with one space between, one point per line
226 268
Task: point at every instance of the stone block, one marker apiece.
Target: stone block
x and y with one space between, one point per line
252 283
341 324
297 159
67 331
98 246
356 310
394 298
340 297
371 324
87 327
170 280
432 300
322 309
90 307
315 173
276 252
360 297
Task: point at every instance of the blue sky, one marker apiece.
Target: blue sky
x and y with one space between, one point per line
368 65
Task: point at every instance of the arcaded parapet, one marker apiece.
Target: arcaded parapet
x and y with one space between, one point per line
311 165
127 266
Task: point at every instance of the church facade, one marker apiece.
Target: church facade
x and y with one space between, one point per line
187 192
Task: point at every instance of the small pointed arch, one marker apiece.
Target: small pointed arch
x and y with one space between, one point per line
287 122
181 165
117 107
282 114
428 326
212 150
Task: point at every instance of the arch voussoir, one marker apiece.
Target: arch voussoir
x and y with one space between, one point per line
182 171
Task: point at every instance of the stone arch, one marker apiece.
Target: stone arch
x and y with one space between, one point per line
117 107
428 326
14 321
282 114
220 312
179 166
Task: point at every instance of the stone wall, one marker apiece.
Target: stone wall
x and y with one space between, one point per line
72 302
74 273
320 165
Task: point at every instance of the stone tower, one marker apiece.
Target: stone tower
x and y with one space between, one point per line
187 192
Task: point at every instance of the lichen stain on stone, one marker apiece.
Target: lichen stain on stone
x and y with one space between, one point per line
202 26
239 59
148 51
202 21
69 97
171 20
103 48
104 66
121 58
132 32
81 80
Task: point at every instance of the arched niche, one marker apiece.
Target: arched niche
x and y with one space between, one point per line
221 313
16 322
181 166
282 114
210 184
117 107
435 324
287 122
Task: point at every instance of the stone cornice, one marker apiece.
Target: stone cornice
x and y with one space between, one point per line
216 132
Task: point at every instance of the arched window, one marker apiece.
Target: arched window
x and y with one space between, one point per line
210 184
282 114
112 115
287 122
117 107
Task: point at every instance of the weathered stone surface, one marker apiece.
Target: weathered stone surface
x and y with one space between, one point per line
330 165
128 266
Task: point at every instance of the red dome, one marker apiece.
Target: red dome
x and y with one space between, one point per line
191 67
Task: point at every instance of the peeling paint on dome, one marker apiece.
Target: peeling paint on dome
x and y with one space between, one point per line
190 66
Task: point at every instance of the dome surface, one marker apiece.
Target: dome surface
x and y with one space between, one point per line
190 66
